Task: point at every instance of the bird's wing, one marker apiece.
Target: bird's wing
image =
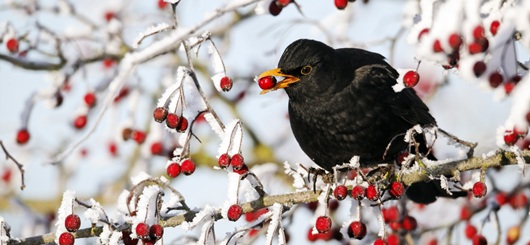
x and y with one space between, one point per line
411 108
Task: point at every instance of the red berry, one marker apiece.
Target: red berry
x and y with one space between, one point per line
390 214
437 46
242 170
519 200
108 63
66 239
397 189
510 137
187 166
501 198
478 32
162 4
274 8
508 87
72 222
234 212
310 236
90 99
433 241
12 45
409 223
340 192
160 114
474 48
479 68
226 83
455 41
23 136
283 3
113 149
156 232
109 15
465 213
358 192
479 240
267 82
173 170
80 121
494 27
484 44
357 230
479 189
138 136
393 239
341 4
142 230
172 120
495 79
224 160
126 133
423 32
470 231
157 148
237 161
333 205
323 224
183 125
395 226
379 241
372 193
411 78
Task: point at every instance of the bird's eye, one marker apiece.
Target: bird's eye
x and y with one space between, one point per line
306 70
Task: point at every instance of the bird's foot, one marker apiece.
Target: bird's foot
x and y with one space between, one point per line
326 176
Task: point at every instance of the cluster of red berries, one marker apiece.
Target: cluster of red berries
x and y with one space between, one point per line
512 136
358 192
226 83
276 6
12 45
186 166
72 224
149 234
236 161
397 222
471 233
173 121
137 135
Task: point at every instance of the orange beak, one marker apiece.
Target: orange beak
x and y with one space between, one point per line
288 79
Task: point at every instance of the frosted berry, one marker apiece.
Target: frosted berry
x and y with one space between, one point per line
479 68
80 121
234 212
478 32
173 170
183 125
409 223
23 136
160 114
379 241
274 8
455 41
172 120
479 189
510 137
341 4
224 160
310 236
157 148
474 48
357 230
90 99
138 136
267 82
437 46
142 230
340 192
470 231
162 4
494 27
226 83
12 45
372 193
358 192
323 224
72 222
495 79
237 161
66 238
156 232
479 240
187 166
397 189
411 78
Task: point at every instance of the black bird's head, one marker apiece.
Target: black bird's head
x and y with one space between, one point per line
309 67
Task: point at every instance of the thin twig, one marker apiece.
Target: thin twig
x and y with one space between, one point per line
19 165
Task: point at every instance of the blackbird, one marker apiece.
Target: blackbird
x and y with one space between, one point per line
342 104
